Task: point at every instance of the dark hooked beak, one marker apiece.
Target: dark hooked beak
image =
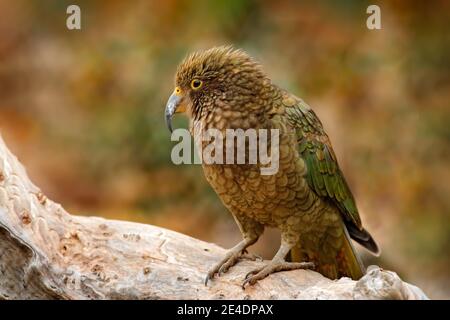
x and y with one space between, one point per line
173 106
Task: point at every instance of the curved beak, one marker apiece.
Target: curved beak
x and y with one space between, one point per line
174 105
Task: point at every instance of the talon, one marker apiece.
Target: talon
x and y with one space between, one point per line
255 275
251 273
230 259
249 281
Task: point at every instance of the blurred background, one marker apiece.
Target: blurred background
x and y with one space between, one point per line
83 110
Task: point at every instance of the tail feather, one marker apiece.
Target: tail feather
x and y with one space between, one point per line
364 238
346 262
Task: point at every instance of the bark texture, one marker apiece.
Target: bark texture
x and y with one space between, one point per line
46 253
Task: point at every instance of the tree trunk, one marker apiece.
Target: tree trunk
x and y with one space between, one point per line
46 253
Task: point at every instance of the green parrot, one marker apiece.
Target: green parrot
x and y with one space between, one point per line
307 199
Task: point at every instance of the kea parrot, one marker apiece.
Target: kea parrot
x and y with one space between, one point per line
307 199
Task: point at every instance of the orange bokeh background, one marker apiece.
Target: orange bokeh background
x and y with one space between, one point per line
83 110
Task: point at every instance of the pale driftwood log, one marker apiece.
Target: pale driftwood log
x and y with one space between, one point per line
46 253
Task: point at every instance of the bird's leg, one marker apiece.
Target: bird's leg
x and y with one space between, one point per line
231 257
277 264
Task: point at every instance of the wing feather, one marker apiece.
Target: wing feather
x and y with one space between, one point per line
323 173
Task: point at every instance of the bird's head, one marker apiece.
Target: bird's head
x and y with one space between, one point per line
216 80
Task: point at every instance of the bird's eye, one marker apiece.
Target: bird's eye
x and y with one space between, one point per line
196 84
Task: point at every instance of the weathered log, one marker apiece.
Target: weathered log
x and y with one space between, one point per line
46 253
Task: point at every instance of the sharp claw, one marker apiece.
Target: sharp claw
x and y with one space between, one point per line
230 260
246 281
251 273
208 277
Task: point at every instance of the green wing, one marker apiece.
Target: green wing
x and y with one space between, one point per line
323 173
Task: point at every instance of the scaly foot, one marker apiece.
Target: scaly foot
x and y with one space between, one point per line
230 259
273 266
